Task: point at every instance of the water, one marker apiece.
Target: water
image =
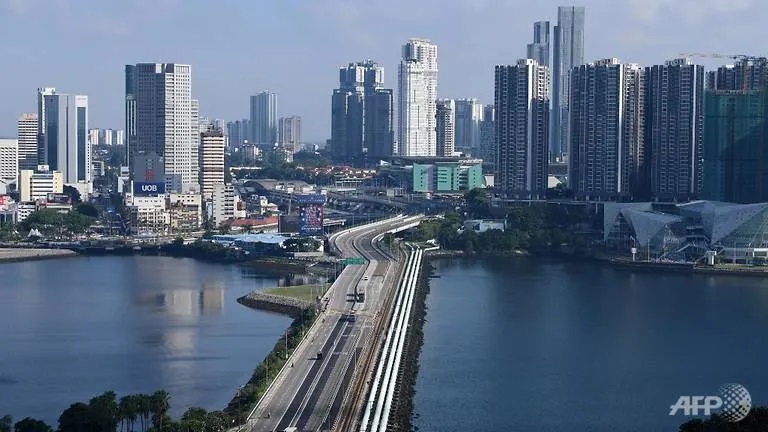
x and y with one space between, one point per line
527 345
73 328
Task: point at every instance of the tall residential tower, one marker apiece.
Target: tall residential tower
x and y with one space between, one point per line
539 49
362 113
417 94
522 128
263 118
606 130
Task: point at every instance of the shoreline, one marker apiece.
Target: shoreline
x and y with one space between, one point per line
11 255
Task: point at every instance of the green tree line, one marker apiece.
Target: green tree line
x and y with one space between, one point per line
130 413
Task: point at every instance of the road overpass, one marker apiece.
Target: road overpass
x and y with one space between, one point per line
311 390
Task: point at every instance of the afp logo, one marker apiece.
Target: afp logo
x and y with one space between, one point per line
732 403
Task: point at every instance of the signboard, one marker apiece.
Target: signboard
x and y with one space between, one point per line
307 199
311 219
148 188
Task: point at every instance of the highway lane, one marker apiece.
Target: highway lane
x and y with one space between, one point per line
305 395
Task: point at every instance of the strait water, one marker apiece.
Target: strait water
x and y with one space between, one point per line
73 328
527 345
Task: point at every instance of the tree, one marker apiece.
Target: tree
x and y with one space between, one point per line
248 228
74 194
6 423
31 425
143 409
87 209
160 403
215 421
75 418
128 410
224 229
103 413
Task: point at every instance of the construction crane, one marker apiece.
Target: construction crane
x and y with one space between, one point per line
744 59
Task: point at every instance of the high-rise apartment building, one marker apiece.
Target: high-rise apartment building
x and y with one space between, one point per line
27 138
239 131
744 75
522 127
673 129
65 136
212 146
164 118
445 127
9 159
263 118
568 52
539 49
289 133
735 146
606 130
362 113
488 137
417 94
469 115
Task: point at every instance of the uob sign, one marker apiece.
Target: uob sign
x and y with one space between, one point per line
144 188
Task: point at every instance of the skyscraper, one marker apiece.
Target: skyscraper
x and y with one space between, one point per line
568 52
445 126
539 49
674 95
239 131
9 159
263 118
166 121
289 133
212 144
42 156
65 136
361 113
469 114
606 130
735 142
130 112
522 127
746 74
488 137
27 137
417 93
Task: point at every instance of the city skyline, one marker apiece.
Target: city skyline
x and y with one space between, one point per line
224 81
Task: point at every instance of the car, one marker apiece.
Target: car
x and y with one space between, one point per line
365 278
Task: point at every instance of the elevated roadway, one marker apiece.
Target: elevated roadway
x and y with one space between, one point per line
310 391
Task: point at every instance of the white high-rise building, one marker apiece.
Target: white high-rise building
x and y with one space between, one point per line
212 145
164 117
445 127
417 95
289 133
27 137
65 137
469 115
9 159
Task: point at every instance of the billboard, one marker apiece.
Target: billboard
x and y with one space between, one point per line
308 199
311 219
148 188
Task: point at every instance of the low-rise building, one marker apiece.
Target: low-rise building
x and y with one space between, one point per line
483 225
185 211
37 184
226 204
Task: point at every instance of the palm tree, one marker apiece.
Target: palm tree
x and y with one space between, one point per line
143 409
128 410
159 403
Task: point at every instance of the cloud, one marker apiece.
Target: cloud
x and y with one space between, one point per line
691 11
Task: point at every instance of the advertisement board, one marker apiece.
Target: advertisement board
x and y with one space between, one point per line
308 199
148 188
311 219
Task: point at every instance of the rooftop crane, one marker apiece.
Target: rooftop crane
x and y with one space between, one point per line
745 59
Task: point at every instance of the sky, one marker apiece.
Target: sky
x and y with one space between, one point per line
294 47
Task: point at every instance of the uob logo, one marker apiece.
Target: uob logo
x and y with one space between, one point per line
149 188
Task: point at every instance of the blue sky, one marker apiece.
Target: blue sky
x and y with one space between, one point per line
294 47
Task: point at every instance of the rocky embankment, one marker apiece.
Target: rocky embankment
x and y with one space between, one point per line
274 303
18 254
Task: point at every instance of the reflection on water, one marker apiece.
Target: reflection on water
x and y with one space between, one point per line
74 328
